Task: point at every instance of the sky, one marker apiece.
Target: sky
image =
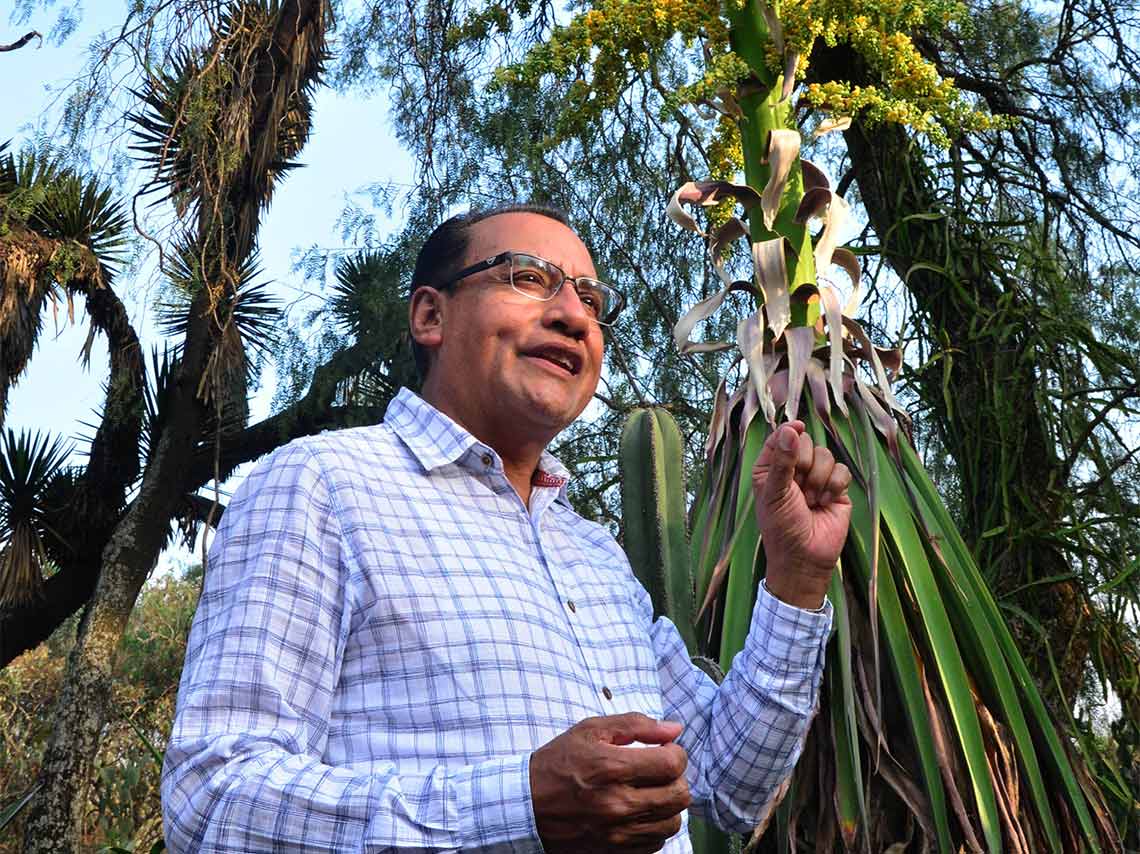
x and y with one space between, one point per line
352 145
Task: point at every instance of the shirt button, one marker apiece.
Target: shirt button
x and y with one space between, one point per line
486 459
570 605
607 693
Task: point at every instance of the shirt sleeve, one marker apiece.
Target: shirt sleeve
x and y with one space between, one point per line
243 769
744 736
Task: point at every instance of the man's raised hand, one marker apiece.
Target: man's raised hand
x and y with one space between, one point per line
593 794
803 510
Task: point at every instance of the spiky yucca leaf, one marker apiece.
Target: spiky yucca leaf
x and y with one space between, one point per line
28 462
363 295
249 314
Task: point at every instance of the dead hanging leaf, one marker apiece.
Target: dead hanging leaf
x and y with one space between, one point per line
837 212
1002 766
723 103
750 340
847 261
732 230
718 423
886 425
699 312
813 176
943 752
832 124
813 204
719 241
870 354
772 278
706 193
817 387
783 149
801 342
834 315
791 61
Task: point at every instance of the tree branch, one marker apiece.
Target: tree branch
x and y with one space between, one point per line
16 45
311 414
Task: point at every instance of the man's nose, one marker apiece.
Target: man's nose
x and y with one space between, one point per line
567 310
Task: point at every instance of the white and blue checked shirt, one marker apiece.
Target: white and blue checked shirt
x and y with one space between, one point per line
386 633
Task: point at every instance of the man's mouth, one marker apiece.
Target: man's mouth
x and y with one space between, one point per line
567 360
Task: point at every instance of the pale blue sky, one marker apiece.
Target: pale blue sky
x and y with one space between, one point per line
352 145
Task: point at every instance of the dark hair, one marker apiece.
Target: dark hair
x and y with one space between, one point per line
443 253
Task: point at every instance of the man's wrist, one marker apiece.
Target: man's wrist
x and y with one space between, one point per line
806 589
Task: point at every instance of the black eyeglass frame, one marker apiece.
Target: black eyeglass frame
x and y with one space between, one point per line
505 257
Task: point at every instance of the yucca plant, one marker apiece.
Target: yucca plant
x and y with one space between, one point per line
28 463
930 730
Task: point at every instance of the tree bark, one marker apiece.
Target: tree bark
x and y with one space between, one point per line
281 66
1011 476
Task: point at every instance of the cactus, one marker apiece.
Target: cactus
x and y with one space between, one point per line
653 510
656 541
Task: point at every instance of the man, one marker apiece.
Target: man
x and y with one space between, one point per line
408 641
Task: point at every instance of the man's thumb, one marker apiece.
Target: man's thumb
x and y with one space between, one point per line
782 453
628 728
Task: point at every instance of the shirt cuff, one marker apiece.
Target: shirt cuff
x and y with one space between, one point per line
786 638
501 811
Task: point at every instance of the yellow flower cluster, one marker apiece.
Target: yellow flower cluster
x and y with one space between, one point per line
603 44
725 160
912 92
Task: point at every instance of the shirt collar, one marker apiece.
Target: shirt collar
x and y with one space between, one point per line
435 440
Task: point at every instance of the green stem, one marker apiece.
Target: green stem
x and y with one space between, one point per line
763 113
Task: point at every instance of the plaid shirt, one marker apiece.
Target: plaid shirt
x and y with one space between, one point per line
386 633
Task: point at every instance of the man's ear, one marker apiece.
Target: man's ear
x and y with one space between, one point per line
425 317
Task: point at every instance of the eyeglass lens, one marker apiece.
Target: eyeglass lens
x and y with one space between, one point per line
540 279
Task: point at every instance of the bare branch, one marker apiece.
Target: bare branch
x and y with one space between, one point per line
16 45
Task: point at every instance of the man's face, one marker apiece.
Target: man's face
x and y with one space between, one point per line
496 367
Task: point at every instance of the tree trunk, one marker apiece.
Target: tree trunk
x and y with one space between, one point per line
1011 478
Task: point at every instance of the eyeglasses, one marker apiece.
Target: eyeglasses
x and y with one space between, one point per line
540 279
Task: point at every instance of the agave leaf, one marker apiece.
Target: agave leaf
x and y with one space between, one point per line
897 633
702 310
772 278
782 150
941 642
944 750
813 176
1004 666
834 315
838 212
817 388
706 193
732 230
845 259
871 354
813 204
746 553
801 342
750 340
718 421
869 462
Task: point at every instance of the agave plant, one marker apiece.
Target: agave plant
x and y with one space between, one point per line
930 728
